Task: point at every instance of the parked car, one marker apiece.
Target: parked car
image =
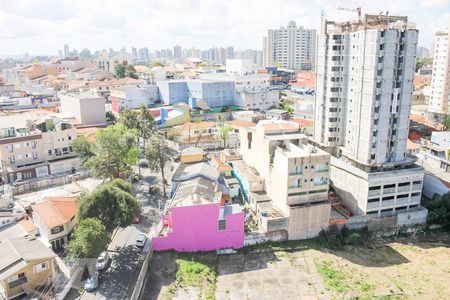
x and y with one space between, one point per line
137 219
140 240
102 261
92 282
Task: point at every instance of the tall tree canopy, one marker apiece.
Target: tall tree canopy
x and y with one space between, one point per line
114 151
112 203
89 239
157 154
83 147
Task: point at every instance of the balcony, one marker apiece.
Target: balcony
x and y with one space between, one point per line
293 187
416 187
387 203
374 193
402 201
404 188
322 170
373 206
389 191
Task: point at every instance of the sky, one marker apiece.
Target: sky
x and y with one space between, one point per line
44 26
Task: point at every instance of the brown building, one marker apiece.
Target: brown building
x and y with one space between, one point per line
25 264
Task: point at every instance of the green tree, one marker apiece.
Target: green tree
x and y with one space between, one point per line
157 154
120 71
446 122
288 108
89 239
112 203
146 123
130 118
224 130
83 147
130 71
114 152
419 64
111 117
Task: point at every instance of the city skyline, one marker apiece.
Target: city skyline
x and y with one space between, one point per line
43 27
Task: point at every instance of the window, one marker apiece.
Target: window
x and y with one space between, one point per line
388 198
222 225
374 200
57 229
388 186
417 182
374 188
16 280
404 184
40 267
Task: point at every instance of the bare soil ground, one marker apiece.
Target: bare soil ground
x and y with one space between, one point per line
407 268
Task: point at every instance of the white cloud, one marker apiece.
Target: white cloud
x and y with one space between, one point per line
44 26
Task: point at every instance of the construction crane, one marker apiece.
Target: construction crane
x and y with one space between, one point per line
357 10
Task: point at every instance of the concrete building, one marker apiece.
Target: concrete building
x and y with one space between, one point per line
440 79
365 74
35 147
251 91
240 66
132 97
291 47
85 107
278 161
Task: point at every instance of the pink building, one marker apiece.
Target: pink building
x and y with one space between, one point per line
197 220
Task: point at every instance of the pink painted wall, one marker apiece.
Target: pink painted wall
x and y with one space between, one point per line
195 229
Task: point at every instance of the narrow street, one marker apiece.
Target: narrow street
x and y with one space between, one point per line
118 281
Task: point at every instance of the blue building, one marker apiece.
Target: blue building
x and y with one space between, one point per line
173 91
217 93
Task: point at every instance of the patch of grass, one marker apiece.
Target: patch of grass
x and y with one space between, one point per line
389 297
334 279
198 271
365 287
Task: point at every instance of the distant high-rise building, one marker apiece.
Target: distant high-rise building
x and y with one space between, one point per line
440 80
66 50
365 72
422 52
177 52
143 54
134 54
291 47
230 52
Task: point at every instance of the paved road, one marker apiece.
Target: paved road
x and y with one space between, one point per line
117 282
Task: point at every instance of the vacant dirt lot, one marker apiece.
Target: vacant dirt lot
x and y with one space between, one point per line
399 270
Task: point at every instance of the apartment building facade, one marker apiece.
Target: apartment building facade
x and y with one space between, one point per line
295 175
365 74
35 148
291 47
440 78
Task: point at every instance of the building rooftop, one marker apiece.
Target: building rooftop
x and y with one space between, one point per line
197 125
249 173
196 191
189 171
16 253
193 150
278 125
56 211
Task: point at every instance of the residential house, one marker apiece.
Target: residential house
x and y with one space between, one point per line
192 154
85 107
25 264
198 220
55 217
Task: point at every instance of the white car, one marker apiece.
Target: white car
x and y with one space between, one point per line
102 261
140 240
92 282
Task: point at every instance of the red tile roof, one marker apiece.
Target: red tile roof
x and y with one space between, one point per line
303 123
196 125
241 123
56 211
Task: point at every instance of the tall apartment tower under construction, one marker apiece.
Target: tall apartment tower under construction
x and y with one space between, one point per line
365 71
